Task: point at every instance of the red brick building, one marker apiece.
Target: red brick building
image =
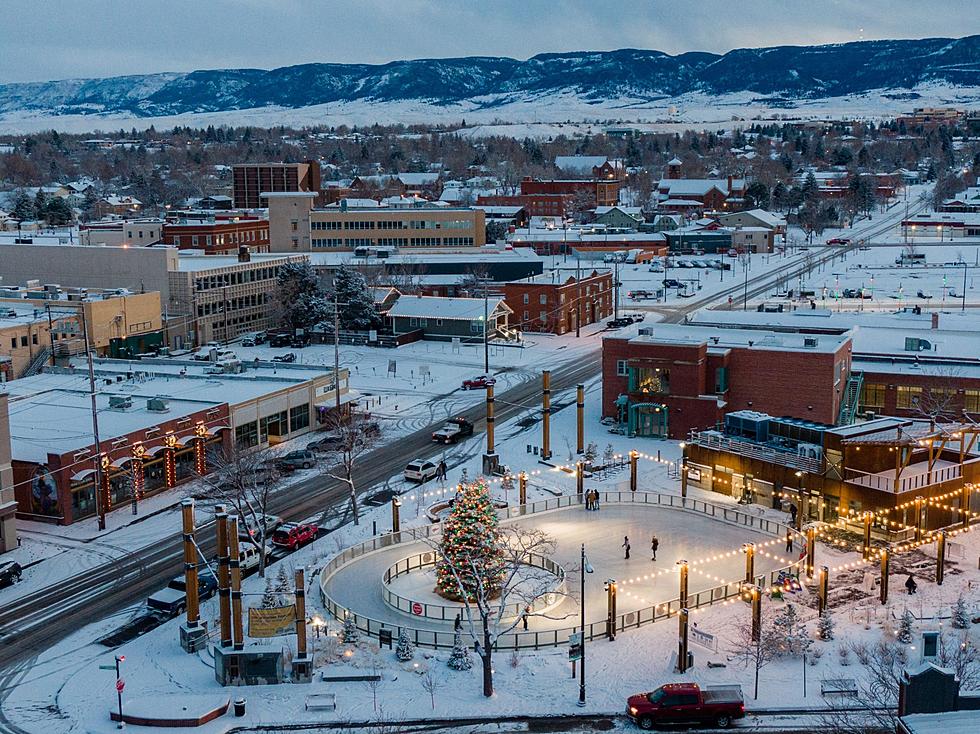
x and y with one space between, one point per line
218 235
556 303
251 180
670 380
593 192
536 205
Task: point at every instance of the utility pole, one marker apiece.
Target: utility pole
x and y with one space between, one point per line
963 294
745 288
486 318
99 500
578 297
336 355
616 288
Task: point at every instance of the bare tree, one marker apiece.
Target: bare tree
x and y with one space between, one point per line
937 402
490 592
876 707
431 684
958 653
752 652
245 480
356 435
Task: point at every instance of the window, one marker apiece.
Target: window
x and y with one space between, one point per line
543 315
544 299
476 326
971 401
299 417
873 395
34 338
13 341
622 368
527 315
721 379
23 341
650 380
527 298
247 435
908 397
194 240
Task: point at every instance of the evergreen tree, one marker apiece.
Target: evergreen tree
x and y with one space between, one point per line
23 208
470 552
825 626
460 658
40 204
356 303
282 587
810 187
905 628
301 297
405 650
270 598
351 634
58 213
591 452
961 620
792 636
609 455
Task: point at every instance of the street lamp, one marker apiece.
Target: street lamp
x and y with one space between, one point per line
119 689
586 568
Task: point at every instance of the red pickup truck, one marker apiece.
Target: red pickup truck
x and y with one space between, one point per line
687 703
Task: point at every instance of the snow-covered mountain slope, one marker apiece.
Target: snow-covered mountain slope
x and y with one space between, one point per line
628 84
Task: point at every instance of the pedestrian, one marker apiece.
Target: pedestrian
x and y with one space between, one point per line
792 514
654 544
590 499
910 585
527 610
458 624
595 499
442 470
626 545
789 541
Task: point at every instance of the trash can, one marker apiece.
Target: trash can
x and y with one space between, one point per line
239 707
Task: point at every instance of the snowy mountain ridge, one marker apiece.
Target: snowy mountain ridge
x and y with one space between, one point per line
778 75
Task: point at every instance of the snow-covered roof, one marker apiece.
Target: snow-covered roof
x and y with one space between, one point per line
681 187
633 211
354 204
675 161
681 202
948 722
418 179
723 339
122 201
769 218
582 164
434 307
499 211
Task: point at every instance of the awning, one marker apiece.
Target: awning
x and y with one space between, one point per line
215 430
329 401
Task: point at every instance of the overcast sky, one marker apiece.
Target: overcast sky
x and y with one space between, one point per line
59 39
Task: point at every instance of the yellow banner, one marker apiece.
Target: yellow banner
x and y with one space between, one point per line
272 622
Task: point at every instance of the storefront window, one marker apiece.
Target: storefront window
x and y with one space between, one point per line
154 475
908 397
275 425
649 380
82 499
184 463
873 395
247 436
299 418
44 493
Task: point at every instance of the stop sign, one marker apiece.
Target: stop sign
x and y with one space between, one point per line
120 684
416 608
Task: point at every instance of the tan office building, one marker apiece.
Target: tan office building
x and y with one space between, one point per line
295 226
8 505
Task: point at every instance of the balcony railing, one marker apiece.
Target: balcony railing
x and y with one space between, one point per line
753 450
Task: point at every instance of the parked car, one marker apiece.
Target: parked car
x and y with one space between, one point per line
10 573
204 353
620 322
302 459
479 383
246 529
324 444
420 470
253 340
299 342
672 283
687 703
292 535
656 268
267 471
172 600
279 340
453 430
287 357
641 295
839 241
923 294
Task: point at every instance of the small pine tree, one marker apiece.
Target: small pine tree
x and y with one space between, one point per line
825 626
270 598
351 635
792 636
905 628
961 619
460 657
405 650
282 586
591 452
609 455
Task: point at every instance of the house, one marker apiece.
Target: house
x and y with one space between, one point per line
444 319
967 201
120 206
754 218
579 165
752 239
619 216
708 193
384 298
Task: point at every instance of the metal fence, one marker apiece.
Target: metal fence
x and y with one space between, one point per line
519 640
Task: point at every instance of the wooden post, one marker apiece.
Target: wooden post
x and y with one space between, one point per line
965 504
490 419
546 415
823 582
811 551
190 563
883 591
756 613
634 455
300 613
224 579
749 562
682 596
611 609
396 524
940 557
868 517
683 620
522 487
238 634
918 518
580 405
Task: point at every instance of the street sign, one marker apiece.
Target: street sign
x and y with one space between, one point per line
574 647
416 608
120 684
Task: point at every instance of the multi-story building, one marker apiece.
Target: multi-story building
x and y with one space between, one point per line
218 234
295 226
120 206
536 205
251 180
121 232
671 379
218 298
591 192
558 303
8 504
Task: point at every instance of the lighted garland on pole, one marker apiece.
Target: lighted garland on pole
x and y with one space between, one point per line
470 550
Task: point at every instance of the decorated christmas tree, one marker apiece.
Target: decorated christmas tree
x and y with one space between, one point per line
351 635
825 626
405 650
470 550
961 618
460 657
905 628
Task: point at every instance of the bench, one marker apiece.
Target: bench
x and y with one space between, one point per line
321 702
349 678
838 687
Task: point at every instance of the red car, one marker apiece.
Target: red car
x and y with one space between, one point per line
839 241
687 703
479 383
292 535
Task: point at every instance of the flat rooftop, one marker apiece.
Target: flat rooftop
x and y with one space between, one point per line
192 261
719 339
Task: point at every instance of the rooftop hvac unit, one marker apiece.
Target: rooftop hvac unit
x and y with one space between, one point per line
76 296
120 402
158 405
809 451
810 342
915 344
52 287
645 331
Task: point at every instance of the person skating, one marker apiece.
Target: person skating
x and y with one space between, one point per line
789 541
654 544
441 471
626 545
910 585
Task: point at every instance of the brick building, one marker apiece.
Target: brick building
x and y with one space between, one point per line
557 303
218 234
251 180
590 192
669 380
536 205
